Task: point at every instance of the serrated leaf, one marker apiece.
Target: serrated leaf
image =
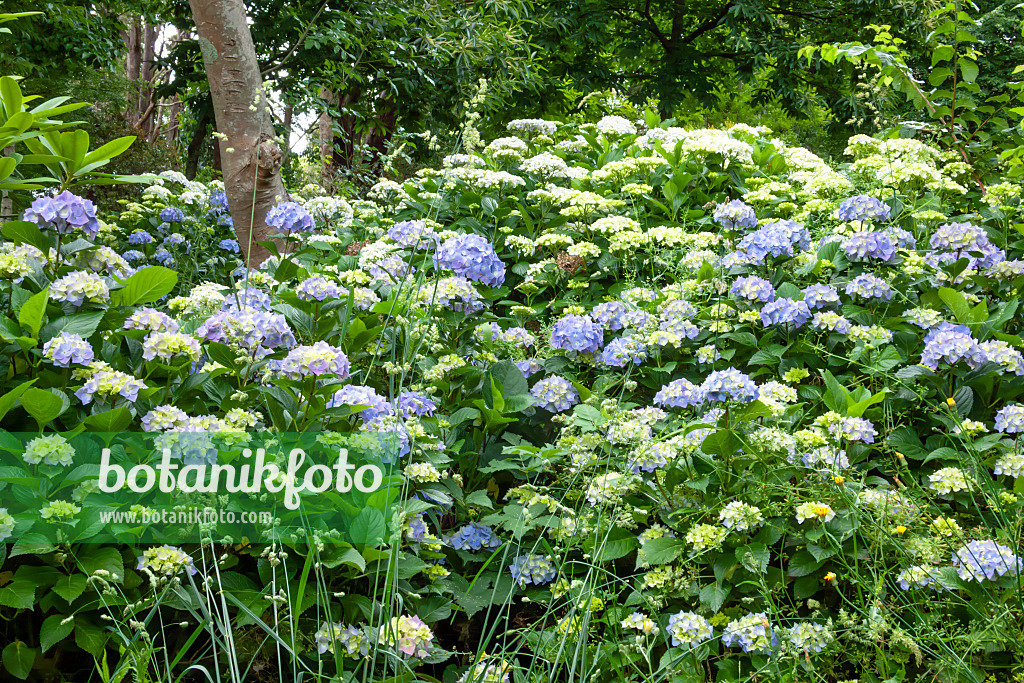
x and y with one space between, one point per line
70 587
54 630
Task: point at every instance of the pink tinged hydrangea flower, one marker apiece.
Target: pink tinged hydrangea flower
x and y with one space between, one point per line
78 286
290 217
409 635
317 288
472 257
64 213
577 333
680 393
1010 420
555 393
66 348
980 560
108 383
152 320
315 360
689 628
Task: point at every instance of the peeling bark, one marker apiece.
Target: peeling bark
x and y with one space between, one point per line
250 156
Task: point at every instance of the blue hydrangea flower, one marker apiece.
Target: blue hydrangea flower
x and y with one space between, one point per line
776 239
530 568
140 237
689 628
256 331
413 234
820 296
979 560
360 395
133 255
959 237
474 536
555 393
868 287
782 311
680 393
174 239
250 297
735 214
290 218
623 351
473 257
728 384
528 367
752 633
863 208
414 403
866 245
229 245
172 214
610 315
64 213
951 343
753 288
67 348
219 202
678 308
577 333
1010 419
317 288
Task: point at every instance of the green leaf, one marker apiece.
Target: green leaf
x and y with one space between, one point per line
7 400
662 550
957 303
70 587
19 593
109 150
42 405
91 638
714 595
721 442
94 558
145 286
31 314
23 232
368 527
969 70
82 324
18 659
616 544
55 630
803 563
754 557
115 420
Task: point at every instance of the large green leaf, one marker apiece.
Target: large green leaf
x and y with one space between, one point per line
43 405
145 286
31 314
368 527
55 628
18 658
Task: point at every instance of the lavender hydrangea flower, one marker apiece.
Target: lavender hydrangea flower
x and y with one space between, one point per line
290 218
315 360
520 336
865 245
1010 419
110 383
753 288
413 234
473 257
979 560
172 214
140 237
230 245
474 536
528 367
64 213
783 311
530 568
78 286
414 403
555 393
819 296
863 208
219 202
67 348
317 288
680 393
728 384
133 255
249 297
623 351
868 287
577 333
959 237
255 331
951 343
359 395
735 214
776 239
610 315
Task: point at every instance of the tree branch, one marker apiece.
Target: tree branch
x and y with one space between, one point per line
707 25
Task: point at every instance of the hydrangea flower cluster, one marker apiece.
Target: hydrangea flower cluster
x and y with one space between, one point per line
359 395
577 333
865 245
751 633
740 516
624 351
820 296
555 393
777 239
735 214
413 234
49 449
979 560
317 288
172 214
474 536
78 286
255 331
951 343
753 288
680 393
67 348
689 628
290 218
472 257
166 561
166 345
808 636
409 635
863 207
319 358
1010 419
867 287
783 311
535 569
108 383
151 320
64 213
348 641
728 384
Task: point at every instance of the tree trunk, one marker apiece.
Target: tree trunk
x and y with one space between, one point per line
251 157
147 74
326 130
195 145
